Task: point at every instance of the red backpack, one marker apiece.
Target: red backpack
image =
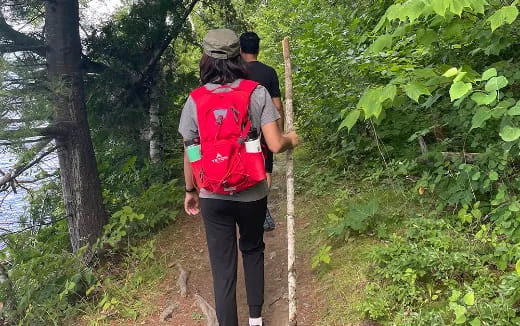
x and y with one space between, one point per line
223 118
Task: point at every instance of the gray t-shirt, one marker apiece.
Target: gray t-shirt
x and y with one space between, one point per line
262 111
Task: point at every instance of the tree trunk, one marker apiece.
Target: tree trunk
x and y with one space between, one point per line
422 145
80 182
155 104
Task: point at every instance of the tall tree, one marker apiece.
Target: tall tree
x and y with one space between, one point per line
59 47
79 178
128 50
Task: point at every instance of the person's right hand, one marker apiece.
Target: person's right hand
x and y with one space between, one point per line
293 137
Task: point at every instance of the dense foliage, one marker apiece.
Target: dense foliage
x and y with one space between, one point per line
375 79
420 95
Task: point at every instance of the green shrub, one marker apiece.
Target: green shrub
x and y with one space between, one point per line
433 274
45 281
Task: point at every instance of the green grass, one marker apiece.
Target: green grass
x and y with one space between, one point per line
344 284
124 291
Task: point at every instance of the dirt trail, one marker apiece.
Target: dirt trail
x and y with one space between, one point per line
188 238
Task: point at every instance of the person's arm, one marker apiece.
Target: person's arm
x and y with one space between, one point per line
188 128
277 101
191 200
276 141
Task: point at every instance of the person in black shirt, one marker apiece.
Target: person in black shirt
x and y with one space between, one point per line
267 77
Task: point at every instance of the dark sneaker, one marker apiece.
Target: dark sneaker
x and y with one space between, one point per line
269 224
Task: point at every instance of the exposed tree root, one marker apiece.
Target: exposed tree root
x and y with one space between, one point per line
182 282
207 310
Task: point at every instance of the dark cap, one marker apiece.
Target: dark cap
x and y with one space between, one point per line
221 44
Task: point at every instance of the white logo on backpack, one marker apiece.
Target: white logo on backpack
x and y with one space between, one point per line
219 158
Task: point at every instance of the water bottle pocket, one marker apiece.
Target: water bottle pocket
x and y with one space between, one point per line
193 152
253 146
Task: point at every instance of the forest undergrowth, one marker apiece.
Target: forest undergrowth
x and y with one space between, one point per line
386 253
410 112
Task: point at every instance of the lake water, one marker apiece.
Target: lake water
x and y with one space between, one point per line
13 205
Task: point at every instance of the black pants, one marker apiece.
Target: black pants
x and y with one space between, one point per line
220 220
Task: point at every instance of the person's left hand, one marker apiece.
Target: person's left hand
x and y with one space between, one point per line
191 203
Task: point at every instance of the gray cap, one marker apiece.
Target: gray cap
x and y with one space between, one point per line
221 44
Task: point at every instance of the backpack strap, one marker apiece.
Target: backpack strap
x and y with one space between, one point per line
198 93
248 87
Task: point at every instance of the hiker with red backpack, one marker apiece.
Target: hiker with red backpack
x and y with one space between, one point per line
224 169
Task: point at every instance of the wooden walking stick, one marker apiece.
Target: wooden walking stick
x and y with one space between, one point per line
291 255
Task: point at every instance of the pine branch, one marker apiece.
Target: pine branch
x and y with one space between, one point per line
58 129
7 180
22 141
23 42
10 48
20 40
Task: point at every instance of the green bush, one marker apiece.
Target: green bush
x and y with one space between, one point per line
433 274
45 282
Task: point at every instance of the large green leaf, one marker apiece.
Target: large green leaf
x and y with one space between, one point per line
460 76
415 89
469 299
413 9
372 100
515 110
460 313
480 117
451 72
388 93
496 83
359 214
394 12
509 133
491 72
483 98
458 89
350 120
478 5
383 41
505 15
440 6
370 103
475 322
457 6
